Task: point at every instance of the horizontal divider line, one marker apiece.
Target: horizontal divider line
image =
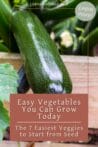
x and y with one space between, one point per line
47 122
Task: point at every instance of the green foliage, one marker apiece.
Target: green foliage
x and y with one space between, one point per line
8 81
3 48
8 85
4 120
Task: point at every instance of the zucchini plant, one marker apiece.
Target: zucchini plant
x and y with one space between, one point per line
26 27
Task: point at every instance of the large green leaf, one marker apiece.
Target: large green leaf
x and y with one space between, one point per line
4 120
8 81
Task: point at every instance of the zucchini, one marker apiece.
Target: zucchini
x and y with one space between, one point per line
45 71
22 81
5 32
5 13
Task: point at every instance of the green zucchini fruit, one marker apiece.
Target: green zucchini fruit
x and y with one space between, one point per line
5 13
46 73
5 32
23 85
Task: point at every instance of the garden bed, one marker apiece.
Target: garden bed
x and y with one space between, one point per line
84 74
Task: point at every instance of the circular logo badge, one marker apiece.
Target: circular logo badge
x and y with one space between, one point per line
85 11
